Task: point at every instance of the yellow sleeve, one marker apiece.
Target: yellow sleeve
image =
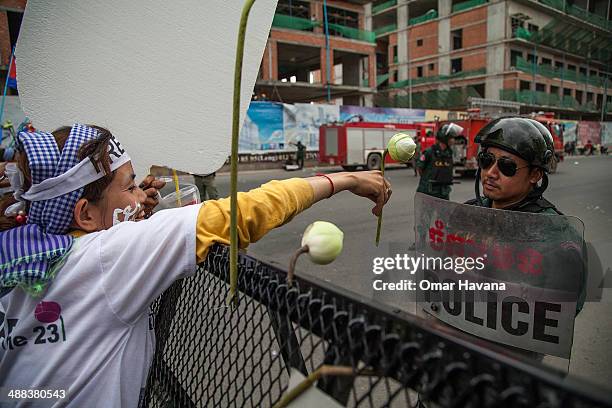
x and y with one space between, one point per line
259 211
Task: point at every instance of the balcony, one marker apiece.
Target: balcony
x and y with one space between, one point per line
353 33
549 71
383 6
578 12
294 23
439 78
303 24
545 99
430 15
436 99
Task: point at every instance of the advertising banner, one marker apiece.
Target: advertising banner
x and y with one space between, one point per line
589 131
263 128
302 122
384 115
606 133
569 130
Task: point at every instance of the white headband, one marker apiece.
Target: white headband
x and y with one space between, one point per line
84 173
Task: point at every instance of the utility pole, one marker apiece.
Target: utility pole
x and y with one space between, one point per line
327 57
409 70
533 76
604 99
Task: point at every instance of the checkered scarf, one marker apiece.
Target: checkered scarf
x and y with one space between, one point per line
28 257
54 216
32 253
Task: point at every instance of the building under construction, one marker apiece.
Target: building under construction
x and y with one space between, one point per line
319 51
509 55
11 13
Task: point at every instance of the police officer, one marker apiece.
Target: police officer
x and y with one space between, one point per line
515 156
301 149
436 163
516 153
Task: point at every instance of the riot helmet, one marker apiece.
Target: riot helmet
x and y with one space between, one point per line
448 131
524 137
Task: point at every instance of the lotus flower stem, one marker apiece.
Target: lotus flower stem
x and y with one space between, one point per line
294 258
234 156
323 371
379 226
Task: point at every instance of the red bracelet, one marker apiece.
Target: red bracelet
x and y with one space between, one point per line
333 190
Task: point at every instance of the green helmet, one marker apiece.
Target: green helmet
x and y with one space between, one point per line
448 131
524 137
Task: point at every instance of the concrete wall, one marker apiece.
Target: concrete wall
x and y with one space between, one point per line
444 46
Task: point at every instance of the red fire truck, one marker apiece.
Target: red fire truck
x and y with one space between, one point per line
362 144
465 150
556 129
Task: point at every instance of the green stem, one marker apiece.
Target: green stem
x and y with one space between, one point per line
294 258
234 157
304 385
379 226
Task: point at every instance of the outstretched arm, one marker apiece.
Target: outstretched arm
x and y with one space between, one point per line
277 202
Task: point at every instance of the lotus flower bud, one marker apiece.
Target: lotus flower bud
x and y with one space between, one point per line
324 241
401 147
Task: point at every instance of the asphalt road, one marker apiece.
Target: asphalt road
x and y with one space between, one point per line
582 187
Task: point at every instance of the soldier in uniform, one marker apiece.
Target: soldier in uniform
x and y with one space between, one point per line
515 156
436 163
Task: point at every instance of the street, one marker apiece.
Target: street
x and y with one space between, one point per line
581 187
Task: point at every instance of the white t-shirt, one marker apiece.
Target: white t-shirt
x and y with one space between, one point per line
91 332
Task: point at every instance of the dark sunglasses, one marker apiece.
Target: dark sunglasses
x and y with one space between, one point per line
506 166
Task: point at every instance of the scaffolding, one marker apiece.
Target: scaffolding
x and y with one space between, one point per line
437 78
294 23
304 24
456 98
430 15
575 39
383 6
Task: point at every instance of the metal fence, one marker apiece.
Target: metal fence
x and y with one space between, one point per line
211 355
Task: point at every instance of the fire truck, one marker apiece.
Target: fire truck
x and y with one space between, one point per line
465 150
362 144
556 130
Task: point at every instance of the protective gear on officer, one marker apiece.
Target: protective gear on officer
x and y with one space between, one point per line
529 140
436 163
525 138
447 132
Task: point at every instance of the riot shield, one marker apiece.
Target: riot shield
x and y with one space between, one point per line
512 278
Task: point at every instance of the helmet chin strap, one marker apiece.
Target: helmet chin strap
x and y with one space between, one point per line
540 190
477 188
